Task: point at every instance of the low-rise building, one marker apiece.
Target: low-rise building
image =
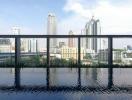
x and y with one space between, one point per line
5 45
103 55
71 53
61 44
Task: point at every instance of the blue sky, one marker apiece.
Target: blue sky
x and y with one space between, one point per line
31 15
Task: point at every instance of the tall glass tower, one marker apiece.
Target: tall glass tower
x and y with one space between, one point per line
51 30
92 28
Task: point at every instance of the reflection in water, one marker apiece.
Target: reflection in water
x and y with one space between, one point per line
53 76
74 80
17 77
12 70
64 77
90 76
94 74
33 76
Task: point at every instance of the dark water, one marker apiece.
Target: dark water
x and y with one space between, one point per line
65 77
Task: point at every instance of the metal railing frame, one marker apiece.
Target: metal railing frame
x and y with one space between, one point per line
48 37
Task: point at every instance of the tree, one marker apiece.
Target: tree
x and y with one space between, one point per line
87 56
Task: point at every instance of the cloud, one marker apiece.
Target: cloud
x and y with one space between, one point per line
114 19
74 23
77 8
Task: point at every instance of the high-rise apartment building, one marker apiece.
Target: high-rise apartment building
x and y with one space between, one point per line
92 28
83 42
71 42
52 30
32 45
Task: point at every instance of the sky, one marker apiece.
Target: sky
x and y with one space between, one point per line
31 15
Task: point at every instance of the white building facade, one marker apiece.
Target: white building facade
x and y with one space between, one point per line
52 30
92 28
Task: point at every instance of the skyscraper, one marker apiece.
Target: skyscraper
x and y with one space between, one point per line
83 42
92 28
51 30
71 40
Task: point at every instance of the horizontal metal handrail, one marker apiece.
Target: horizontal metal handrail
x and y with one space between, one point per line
65 36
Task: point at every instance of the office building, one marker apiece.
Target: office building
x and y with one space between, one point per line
83 42
71 42
5 45
61 44
92 28
103 55
52 30
71 53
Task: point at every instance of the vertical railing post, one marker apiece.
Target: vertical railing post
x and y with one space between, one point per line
17 60
48 62
110 62
79 62
17 50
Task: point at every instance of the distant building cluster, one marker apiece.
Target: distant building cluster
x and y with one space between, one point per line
70 50
67 48
5 45
60 49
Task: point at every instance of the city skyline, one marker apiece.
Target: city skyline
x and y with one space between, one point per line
31 15
65 49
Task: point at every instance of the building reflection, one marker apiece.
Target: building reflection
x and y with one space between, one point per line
53 76
91 76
